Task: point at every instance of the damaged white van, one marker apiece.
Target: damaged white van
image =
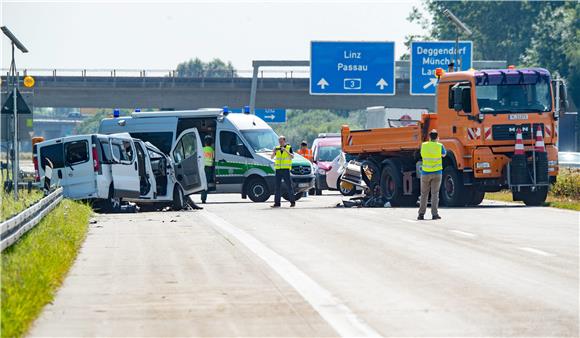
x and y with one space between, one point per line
109 168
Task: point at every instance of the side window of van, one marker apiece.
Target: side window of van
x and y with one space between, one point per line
76 152
189 145
105 151
231 143
178 152
122 151
54 153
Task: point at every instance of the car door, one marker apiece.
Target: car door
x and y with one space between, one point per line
125 169
147 182
78 169
232 161
188 158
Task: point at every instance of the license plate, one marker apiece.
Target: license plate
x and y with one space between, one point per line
518 116
303 185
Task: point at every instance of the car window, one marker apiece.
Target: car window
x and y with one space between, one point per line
105 150
232 144
178 152
128 151
122 151
76 152
54 153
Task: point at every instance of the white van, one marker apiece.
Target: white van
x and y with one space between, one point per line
113 167
243 144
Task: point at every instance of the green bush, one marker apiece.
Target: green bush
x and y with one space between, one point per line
568 184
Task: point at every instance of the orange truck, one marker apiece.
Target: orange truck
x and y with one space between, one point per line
478 114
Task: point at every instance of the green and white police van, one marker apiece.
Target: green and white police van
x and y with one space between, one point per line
243 145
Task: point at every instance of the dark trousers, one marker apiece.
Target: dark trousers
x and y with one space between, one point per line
209 179
283 174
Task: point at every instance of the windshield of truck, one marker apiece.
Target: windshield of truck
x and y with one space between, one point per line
510 98
261 140
328 153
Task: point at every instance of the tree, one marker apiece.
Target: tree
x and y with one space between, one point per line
214 68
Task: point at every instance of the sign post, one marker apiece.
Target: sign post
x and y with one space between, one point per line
426 56
352 68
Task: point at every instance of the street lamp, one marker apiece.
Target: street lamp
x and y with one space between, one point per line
13 81
460 27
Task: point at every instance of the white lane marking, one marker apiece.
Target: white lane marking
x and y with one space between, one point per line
332 309
463 233
537 251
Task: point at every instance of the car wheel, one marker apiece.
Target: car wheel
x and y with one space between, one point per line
178 198
345 188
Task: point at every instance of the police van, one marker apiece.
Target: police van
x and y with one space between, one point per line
243 145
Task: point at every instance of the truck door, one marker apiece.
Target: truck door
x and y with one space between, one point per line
231 162
78 169
125 168
188 158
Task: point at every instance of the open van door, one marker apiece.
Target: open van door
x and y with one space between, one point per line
125 168
188 158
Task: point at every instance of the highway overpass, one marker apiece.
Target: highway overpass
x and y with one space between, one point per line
169 91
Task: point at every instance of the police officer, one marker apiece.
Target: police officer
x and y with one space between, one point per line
432 153
283 156
208 161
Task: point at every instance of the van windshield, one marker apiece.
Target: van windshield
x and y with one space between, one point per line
261 140
162 140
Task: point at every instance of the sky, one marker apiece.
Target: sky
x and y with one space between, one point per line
159 35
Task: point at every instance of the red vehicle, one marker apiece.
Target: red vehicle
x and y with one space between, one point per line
324 150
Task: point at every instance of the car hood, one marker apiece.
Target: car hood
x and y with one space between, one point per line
324 165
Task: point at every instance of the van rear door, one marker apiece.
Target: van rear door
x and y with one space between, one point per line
188 158
125 168
78 169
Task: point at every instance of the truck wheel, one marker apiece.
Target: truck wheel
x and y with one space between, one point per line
475 196
534 198
392 186
257 190
452 189
346 189
178 198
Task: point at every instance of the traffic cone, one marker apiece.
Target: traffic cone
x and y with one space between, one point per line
519 165
539 147
519 143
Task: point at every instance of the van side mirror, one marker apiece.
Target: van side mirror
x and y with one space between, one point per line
564 104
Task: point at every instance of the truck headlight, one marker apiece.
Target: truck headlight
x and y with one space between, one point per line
480 165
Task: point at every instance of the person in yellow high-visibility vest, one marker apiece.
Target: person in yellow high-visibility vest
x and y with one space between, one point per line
283 156
208 161
432 153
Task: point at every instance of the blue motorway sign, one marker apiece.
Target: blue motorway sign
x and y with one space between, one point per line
352 68
426 56
269 115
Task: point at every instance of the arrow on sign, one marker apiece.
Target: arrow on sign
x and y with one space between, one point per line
431 82
382 83
322 83
271 117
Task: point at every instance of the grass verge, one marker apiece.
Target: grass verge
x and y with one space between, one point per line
9 206
551 201
34 267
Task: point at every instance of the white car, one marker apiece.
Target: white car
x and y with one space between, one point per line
334 174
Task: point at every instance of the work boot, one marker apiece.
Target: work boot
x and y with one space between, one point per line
436 217
275 206
420 217
292 204
203 201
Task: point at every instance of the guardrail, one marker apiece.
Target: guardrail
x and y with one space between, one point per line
17 226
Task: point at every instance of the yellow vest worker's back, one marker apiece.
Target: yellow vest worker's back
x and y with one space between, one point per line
282 160
208 156
432 158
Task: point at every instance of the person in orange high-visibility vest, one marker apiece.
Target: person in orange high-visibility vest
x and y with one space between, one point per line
304 151
208 161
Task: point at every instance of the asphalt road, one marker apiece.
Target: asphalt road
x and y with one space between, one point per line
238 268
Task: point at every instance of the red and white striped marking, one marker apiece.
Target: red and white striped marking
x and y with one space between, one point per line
473 133
350 140
487 133
548 130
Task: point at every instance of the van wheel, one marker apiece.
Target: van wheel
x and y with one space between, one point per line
111 204
257 190
452 192
178 198
346 189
